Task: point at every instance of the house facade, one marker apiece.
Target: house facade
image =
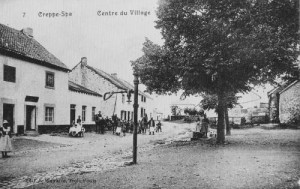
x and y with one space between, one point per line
35 91
101 82
32 84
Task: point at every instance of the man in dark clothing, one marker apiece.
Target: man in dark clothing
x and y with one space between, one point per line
98 118
151 126
158 126
102 125
78 121
114 123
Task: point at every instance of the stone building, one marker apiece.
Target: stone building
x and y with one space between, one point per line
35 92
284 103
289 103
101 82
273 96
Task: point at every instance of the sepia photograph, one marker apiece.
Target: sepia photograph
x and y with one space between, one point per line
150 94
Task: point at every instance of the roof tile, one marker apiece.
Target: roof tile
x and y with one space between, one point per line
15 41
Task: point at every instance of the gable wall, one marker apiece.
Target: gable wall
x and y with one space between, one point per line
289 104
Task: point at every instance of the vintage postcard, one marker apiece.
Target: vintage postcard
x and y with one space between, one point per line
149 94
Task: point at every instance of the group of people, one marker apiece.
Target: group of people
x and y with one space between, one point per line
123 126
117 126
145 125
5 139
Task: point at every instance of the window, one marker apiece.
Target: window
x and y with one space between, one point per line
49 114
9 74
142 112
50 79
123 98
144 99
83 113
93 113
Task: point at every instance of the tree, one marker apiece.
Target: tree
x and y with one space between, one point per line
210 102
218 47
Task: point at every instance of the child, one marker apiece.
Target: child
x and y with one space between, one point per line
158 126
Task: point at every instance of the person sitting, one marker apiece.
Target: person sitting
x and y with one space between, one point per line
76 130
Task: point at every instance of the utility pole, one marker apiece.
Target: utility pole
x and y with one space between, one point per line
135 112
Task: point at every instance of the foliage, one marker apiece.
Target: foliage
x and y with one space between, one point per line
192 111
210 102
218 47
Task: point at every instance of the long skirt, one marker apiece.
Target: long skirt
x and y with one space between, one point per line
5 144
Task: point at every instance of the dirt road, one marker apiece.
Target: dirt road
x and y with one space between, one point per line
50 157
253 158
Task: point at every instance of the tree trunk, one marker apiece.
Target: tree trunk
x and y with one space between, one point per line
221 118
228 127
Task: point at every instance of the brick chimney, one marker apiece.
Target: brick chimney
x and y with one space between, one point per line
83 61
28 32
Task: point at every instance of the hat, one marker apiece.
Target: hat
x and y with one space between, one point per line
5 121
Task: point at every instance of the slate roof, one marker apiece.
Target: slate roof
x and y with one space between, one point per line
78 88
119 83
15 43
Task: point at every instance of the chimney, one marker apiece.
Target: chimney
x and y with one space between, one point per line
114 74
83 61
28 32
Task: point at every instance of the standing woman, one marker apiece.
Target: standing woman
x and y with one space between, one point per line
5 141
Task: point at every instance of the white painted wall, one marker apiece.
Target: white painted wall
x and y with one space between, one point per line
30 80
81 99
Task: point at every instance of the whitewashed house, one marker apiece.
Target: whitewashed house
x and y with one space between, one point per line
35 91
101 82
33 82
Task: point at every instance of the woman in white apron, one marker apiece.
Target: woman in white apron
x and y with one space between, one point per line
5 140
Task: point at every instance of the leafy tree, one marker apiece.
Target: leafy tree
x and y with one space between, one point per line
218 47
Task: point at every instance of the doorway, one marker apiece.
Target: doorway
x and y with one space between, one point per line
30 118
8 114
72 113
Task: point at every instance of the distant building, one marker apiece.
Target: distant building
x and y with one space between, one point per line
101 82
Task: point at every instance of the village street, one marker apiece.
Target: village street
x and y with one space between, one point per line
46 157
253 158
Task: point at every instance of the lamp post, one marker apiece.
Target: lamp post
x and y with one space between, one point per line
135 112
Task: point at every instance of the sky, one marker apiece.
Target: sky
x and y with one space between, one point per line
109 42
